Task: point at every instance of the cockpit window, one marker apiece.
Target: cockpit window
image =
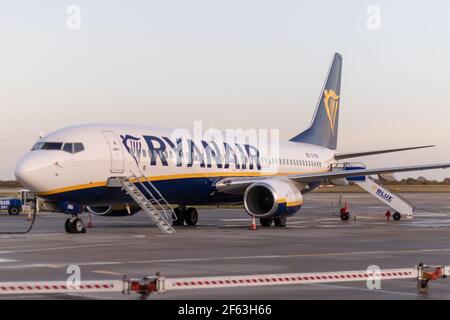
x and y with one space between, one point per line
73 147
70 147
47 146
78 147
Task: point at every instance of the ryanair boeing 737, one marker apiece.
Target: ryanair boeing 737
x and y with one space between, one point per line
79 167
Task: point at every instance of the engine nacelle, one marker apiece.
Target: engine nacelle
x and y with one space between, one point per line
99 210
272 198
112 211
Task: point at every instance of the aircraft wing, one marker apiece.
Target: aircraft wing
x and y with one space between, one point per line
339 156
317 177
237 185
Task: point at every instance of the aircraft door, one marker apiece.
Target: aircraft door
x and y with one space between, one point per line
115 147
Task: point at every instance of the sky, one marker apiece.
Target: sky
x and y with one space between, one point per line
231 64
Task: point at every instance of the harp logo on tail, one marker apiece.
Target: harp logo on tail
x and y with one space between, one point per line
331 101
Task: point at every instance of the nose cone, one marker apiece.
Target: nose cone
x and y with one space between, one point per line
27 173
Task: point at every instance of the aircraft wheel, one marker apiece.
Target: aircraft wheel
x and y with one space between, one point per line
280 222
78 226
180 217
191 216
397 216
266 222
74 226
345 216
68 226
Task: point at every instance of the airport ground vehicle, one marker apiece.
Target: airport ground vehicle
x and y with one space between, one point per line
14 206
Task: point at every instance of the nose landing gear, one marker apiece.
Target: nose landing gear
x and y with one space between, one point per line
74 225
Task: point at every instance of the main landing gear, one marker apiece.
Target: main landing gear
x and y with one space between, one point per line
185 215
74 225
279 222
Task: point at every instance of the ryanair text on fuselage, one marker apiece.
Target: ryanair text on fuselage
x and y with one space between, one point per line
205 153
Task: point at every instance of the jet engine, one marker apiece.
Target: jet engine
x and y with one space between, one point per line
272 198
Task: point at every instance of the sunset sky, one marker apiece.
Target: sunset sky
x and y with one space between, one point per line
231 64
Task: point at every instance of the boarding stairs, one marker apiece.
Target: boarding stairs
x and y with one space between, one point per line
391 199
151 201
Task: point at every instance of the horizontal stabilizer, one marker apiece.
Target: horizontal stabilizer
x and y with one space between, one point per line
340 156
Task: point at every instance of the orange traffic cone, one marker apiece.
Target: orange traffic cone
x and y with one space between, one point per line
89 222
346 207
253 225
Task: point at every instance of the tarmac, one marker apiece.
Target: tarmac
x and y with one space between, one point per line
315 240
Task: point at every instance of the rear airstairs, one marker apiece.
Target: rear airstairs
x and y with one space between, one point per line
151 202
391 199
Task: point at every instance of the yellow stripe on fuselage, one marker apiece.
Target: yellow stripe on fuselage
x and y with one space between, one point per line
294 203
173 177
290 203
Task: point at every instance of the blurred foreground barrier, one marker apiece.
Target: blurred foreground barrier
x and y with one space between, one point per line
423 274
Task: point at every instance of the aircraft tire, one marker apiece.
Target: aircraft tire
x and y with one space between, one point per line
280 222
68 226
78 226
191 216
74 226
265 222
180 217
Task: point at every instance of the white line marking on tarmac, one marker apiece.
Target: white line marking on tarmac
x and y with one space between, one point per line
181 260
7 260
110 273
364 289
233 220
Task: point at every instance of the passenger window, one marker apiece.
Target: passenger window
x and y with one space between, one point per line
68 147
78 147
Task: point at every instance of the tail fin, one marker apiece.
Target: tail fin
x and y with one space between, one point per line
324 127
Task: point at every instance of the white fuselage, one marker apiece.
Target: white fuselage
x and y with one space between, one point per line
53 171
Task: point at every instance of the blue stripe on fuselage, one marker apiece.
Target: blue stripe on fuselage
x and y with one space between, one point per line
177 191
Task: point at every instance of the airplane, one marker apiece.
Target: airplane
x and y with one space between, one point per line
74 166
